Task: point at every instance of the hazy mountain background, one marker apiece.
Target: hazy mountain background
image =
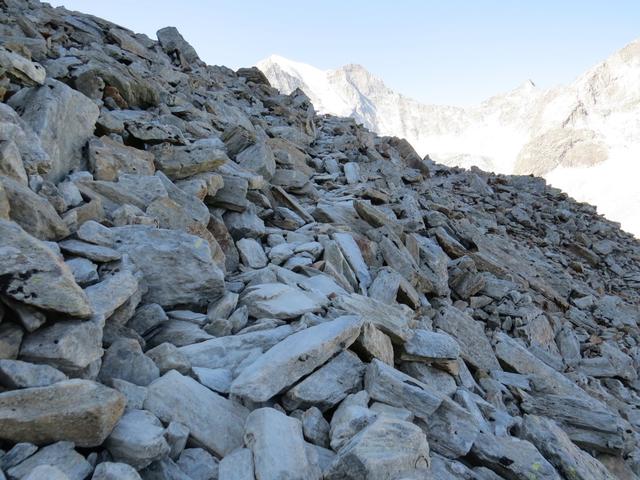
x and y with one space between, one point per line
583 137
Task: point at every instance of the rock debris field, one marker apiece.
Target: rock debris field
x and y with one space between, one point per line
200 278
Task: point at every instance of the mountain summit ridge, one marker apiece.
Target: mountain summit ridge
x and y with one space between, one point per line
583 137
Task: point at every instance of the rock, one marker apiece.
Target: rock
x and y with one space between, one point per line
96 253
351 416
112 293
134 394
174 44
78 411
32 212
217 379
108 159
380 451
278 446
245 224
556 446
388 385
174 397
238 465
67 345
115 471
512 458
232 195
182 162
475 347
137 439
21 69
430 346
93 232
393 320
327 386
178 267
162 470
16 374
56 461
10 340
259 159
315 428
451 429
294 357
147 318
176 435
167 357
198 464
353 255
251 253
64 120
32 274
124 360
11 164
372 343
18 453
277 300
84 271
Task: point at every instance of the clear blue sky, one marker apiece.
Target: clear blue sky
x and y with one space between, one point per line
445 51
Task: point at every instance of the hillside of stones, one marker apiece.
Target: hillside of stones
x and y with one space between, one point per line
200 279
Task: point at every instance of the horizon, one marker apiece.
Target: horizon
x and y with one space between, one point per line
478 51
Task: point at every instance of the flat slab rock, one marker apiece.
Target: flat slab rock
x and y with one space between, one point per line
278 300
214 422
295 357
79 411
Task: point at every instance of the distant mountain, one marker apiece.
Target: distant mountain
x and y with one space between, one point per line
583 137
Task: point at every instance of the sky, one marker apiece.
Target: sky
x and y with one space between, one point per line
454 52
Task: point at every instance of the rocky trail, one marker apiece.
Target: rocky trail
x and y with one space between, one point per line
200 278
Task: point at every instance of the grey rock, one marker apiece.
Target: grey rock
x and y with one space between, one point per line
174 397
135 395
182 162
176 434
111 293
115 471
96 253
124 360
353 255
84 271
108 158
372 343
315 427
147 318
451 429
165 469
278 447
17 374
294 357
327 386
22 69
137 439
46 471
167 357
245 224
278 300
64 120
380 451
18 453
351 416
427 346
174 44
11 164
93 232
178 267
388 385
238 465
79 411
217 379
49 284
198 464
10 340
251 253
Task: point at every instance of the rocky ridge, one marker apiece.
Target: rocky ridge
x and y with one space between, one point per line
200 278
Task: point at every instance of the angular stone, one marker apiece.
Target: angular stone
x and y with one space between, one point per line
351 416
327 386
394 320
69 346
372 343
63 118
137 439
198 464
147 318
108 159
295 357
78 411
232 195
278 446
22 69
353 255
178 267
213 421
18 453
512 458
429 346
388 385
176 435
476 348
174 44
16 374
182 162
96 253
10 340
556 446
451 429
124 360
380 451
115 471
96 233
178 333
32 212
217 379
278 300
244 224
84 271
251 253
238 465
34 275
315 427
58 461
167 357
11 164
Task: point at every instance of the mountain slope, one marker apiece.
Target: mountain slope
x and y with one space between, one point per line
561 133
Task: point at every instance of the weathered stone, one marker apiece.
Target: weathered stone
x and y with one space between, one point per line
147 318
238 465
174 44
11 164
32 274
278 447
176 435
278 300
17 374
372 343
198 464
429 346
251 253
22 69
108 159
232 195
64 120
178 267
315 427
79 411
115 471
327 386
451 429
182 162
111 293
217 379
294 357
353 255
380 451
69 346
213 421
10 340
84 271
58 461
512 458
124 360
244 224
18 453
388 385
167 357
96 253
137 439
